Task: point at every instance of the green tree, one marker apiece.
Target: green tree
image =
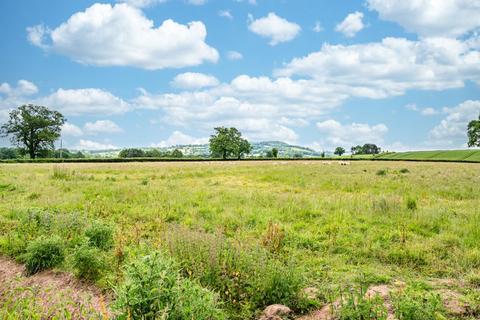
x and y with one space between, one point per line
474 133
154 153
33 128
269 154
339 151
8 153
228 142
370 148
131 153
243 147
356 150
275 152
177 154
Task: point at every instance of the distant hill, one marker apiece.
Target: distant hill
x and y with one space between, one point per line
202 150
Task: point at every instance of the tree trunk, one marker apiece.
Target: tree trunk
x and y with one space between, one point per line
31 151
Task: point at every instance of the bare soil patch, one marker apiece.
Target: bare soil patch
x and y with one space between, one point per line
52 292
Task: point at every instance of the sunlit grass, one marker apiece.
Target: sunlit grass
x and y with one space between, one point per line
414 221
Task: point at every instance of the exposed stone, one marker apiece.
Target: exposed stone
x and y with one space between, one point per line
275 312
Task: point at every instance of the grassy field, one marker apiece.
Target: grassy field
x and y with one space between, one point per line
441 155
234 237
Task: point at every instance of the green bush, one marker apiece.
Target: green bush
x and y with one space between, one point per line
100 236
381 172
404 170
415 305
42 254
88 263
153 289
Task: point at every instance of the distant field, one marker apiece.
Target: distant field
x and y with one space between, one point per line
259 233
443 155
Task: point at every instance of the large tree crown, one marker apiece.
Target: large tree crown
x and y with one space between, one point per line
33 127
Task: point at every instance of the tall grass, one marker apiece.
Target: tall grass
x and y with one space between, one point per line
253 233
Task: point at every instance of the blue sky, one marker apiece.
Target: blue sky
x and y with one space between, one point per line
404 74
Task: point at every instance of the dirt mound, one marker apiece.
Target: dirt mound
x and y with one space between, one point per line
50 293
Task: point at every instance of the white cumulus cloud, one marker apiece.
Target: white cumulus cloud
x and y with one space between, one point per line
392 66
347 135
85 101
351 25
142 3
69 129
92 37
430 18
451 132
179 138
193 80
102 126
23 88
93 145
274 27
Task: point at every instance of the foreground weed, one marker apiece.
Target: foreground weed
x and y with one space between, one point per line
274 238
89 263
100 235
416 305
354 304
60 173
42 254
247 277
153 289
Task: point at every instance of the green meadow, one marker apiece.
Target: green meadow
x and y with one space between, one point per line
239 236
439 155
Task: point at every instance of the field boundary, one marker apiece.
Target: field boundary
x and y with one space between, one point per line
124 160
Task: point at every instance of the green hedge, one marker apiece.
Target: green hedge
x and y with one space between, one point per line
113 160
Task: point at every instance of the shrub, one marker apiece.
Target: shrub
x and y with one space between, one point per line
404 170
246 277
414 305
42 254
381 172
100 236
88 263
153 289
356 305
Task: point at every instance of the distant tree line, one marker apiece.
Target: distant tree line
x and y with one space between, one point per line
154 153
18 153
368 148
